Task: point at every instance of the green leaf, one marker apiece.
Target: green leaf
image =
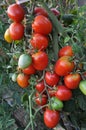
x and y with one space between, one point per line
82 102
66 39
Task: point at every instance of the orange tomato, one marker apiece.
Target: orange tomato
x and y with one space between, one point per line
7 36
23 80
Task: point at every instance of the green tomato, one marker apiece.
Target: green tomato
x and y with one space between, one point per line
82 86
56 104
24 61
14 77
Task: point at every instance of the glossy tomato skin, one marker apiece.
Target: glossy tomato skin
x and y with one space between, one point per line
51 118
7 36
39 41
23 80
72 80
82 86
64 66
51 78
15 12
29 70
41 100
63 93
16 31
42 25
40 86
40 11
56 104
66 51
40 60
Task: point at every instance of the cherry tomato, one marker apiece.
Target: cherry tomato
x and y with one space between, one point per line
72 80
51 78
39 41
29 70
82 86
41 100
16 31
40 86
42 25
66 51
15 12
40 60
56 104
7 36
51 118
51 92
55 11
40 11
63 93
23 80
64 65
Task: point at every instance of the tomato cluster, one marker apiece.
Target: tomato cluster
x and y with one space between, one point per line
16 29
56 85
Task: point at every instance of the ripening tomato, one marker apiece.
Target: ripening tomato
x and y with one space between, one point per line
7 36
55 11
63 93
64 65
41 99
15 12
40 86
16 31
39 41
40 11
40 60
29 70
72 80
51 78
23 80
66 51
51 118
42 25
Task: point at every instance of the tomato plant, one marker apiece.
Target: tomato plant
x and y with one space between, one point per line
39 41
63 93
18 14
64 65
51 78
40 60
51 118
16 31
72 80
23 80
42 25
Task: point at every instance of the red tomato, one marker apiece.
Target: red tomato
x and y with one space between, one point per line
40 11
23 80
16 31
66 51
29 70
51 118
51 92
39 41
63 93
40 86
40 60
51 78
15 12
72 80
42 25
64 66
55 11
41 100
